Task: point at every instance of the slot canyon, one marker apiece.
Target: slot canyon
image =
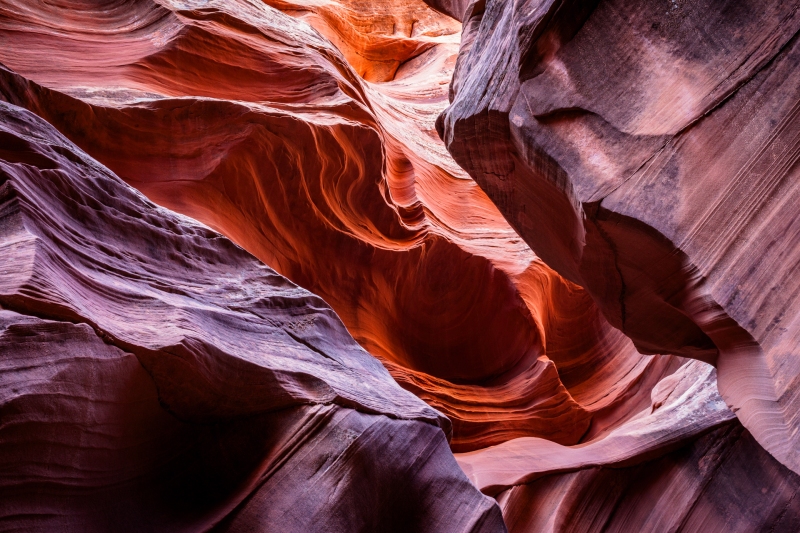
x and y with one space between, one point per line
400 266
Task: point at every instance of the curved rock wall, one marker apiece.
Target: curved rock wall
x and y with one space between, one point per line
650 167
342 186
647 151
156 376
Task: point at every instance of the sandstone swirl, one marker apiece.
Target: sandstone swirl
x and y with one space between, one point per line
249 121
156 376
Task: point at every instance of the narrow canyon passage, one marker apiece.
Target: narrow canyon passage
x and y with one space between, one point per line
346 189
512 236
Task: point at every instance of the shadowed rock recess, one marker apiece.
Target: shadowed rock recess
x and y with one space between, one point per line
527 266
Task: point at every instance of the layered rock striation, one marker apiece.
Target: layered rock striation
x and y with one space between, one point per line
248 120
647 151
157 375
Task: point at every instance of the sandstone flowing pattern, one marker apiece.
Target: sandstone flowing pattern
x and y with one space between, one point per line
343 187
158 377
160 373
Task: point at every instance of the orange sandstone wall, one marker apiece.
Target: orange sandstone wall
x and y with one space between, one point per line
249 121
554 276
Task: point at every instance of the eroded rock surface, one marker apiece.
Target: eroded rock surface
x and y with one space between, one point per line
159 375
647 151
248 120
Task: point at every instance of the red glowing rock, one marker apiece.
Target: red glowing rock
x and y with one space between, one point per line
343 187
644 151
157 376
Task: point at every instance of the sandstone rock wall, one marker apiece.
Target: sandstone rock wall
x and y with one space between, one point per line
155 376
341 185
609 214
647 151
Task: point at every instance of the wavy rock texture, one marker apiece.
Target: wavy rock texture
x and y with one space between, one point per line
648 152
685 464
246 119
723 481
306 132
156 376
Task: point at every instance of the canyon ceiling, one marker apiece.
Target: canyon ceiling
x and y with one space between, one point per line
350 266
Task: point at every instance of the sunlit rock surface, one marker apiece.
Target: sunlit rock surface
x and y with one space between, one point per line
306 132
